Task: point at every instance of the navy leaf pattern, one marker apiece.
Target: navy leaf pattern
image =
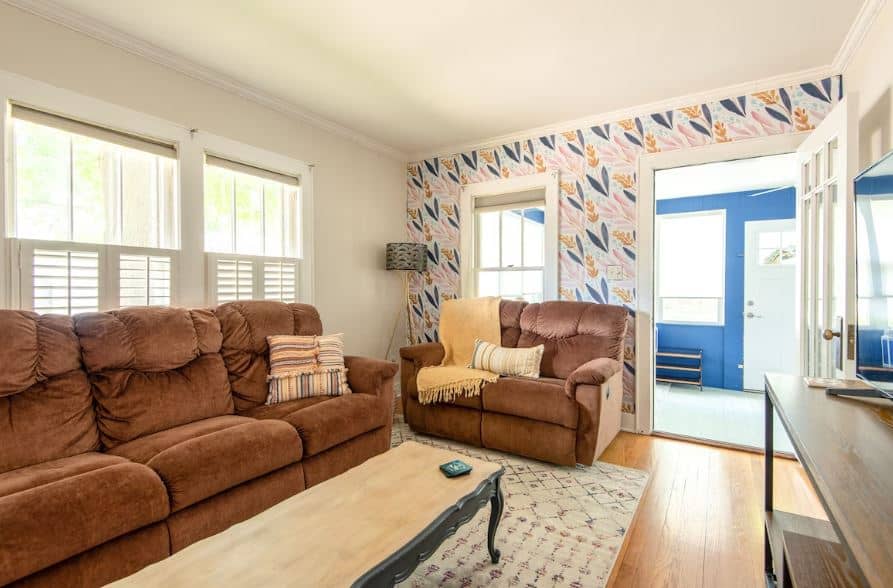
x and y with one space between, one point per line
602 131
785 99
814 91
778 115
732 106
640 127
548 141
700 128
472 163
606 182
595 295
632 139
597 241
707 115
826 84
596 185
662 120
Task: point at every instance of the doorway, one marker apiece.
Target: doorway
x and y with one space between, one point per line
725 248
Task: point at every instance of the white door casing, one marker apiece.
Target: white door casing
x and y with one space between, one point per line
826 300
769 303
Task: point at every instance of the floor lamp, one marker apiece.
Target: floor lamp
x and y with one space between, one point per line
405 258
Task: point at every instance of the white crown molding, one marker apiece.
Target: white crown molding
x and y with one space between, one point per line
91 27
856 35
642 109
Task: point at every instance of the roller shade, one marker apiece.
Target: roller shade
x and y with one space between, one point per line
244 168
76 127
526 199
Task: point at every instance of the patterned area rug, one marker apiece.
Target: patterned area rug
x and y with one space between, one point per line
561 526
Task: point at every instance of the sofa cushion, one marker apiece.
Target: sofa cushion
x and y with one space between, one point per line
145 448
70 506
323 425
46 407
572 333
245 326
153 369
539 399
211 461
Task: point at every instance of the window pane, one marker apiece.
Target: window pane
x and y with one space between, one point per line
273 219
510 284
139 213
42 190
144 280
511 238
691 255
694 310
280 281
488 239
95 180
532 286
249 215
488 284
534 225
218 210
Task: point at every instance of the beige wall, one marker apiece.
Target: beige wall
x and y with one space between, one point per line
870 73
359 195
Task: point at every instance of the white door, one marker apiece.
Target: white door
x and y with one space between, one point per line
770 282
825 211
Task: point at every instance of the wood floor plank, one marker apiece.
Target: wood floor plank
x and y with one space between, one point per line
700 521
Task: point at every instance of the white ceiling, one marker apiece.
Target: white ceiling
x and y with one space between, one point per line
420 75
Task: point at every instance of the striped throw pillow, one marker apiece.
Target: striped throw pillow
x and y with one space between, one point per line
302 366
507 361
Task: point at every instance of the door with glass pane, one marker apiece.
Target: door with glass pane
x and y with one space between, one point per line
826 213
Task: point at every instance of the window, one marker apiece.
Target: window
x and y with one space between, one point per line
691 267
85 200
252 231
509 248
777 248
80 183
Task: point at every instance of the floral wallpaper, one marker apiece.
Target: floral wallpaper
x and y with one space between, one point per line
598 186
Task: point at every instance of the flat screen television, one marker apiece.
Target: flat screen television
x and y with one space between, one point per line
874 274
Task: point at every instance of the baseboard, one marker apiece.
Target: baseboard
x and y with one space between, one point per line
628 422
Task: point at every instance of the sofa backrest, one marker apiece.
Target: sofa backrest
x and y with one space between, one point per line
572 332
246 326
152 369
46 409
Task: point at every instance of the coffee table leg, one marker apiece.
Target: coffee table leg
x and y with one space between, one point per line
496 504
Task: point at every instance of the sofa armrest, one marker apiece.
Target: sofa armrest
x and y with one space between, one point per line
423 355
368 376
594 372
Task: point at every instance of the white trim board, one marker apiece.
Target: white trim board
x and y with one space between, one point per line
547 181
857 33
799 77
91 27
645 206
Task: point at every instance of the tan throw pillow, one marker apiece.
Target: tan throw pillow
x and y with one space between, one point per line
507 361
302 366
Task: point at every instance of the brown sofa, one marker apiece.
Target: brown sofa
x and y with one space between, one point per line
566 416
126 436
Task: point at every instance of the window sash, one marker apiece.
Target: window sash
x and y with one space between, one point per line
507 202
114 190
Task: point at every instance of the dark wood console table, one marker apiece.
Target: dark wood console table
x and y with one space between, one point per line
846 448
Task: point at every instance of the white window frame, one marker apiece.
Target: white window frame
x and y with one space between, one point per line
547 181
188 269
658 306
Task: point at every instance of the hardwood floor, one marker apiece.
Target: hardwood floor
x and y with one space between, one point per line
700 523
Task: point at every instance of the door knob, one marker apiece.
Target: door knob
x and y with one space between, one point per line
828 334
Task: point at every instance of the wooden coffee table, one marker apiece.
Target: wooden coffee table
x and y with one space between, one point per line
370 526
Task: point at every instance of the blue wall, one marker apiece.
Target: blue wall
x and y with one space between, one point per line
724 345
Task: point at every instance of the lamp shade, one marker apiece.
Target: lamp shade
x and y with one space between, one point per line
407 256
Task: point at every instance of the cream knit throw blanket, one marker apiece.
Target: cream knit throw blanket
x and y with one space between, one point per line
461 322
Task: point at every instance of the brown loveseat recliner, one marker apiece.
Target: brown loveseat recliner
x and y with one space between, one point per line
568 415
126 436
